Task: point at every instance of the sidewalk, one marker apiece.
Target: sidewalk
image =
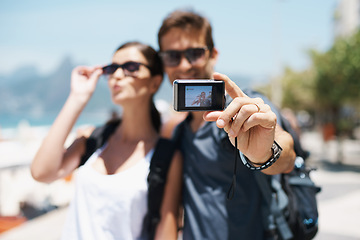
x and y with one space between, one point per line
339 205
45 227
339 200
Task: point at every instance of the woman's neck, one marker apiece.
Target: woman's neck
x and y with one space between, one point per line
136 124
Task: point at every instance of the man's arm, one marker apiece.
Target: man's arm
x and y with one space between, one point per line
286 161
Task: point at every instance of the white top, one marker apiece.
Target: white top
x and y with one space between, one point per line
108 206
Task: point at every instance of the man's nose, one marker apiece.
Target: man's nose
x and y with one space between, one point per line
184 63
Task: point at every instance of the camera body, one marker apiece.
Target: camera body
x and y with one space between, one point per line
198 95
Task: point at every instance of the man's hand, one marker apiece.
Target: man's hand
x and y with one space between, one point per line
248 119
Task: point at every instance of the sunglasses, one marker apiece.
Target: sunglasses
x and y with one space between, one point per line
172 58
129 68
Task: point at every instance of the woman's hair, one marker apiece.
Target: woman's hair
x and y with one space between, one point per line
187 20
156 68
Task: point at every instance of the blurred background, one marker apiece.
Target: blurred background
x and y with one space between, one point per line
304 55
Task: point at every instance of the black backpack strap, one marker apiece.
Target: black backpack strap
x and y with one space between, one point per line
97 138
276 202
179 131
159 166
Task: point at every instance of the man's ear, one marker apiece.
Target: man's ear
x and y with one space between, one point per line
155 83
214 56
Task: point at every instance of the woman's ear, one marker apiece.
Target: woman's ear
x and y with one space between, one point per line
155 83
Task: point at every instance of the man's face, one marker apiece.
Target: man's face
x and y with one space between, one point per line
178 39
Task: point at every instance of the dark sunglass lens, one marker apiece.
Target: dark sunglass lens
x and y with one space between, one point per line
194 54
110 69
131 66
172 58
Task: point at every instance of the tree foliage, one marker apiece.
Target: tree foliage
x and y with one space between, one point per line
337 80
338 73
298 89
330 85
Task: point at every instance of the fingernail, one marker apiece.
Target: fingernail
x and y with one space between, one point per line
220 123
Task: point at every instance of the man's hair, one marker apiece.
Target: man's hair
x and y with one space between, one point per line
187 20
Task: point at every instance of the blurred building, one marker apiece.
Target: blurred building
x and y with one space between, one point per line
346 18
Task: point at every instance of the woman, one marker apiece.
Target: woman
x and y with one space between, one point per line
111 190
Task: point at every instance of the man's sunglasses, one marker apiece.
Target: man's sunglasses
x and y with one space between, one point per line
172 58
129 68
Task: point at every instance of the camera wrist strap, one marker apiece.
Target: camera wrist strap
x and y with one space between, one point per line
231 191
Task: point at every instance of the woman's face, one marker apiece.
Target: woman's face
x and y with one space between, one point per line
130 86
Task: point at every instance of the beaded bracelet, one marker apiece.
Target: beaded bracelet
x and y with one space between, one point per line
276 155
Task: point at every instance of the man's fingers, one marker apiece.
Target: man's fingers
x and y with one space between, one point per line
264 120
211 116
231 88
245 112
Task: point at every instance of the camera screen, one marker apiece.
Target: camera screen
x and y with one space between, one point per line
198 96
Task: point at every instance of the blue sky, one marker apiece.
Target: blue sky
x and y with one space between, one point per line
254 38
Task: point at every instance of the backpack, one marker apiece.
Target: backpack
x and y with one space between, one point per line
290 210
159 166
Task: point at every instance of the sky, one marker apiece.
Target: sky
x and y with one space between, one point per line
254 38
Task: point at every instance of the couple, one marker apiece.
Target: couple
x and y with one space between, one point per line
110 199
202 100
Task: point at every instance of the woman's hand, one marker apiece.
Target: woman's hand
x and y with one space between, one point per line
83 82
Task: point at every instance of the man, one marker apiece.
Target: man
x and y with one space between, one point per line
188 52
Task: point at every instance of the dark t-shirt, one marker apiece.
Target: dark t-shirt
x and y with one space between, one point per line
208 171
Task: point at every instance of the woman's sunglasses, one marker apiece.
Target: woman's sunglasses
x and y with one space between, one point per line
129 68
172 58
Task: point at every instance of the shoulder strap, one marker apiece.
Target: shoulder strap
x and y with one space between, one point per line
276 203
267 184
164 150
179 130
159 166
97 138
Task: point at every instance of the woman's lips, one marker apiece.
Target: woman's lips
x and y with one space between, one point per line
117 88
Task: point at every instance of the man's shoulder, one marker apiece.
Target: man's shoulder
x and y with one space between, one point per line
169 126
250 93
